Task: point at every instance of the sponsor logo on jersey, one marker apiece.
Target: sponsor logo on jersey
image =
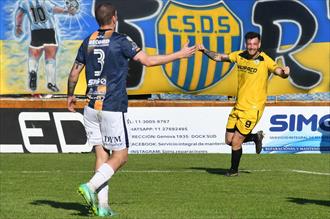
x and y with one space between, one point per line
103 42
247 69
96 82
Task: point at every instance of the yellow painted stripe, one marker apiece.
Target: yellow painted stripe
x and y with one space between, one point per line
169 49
183 64
212 64
197 70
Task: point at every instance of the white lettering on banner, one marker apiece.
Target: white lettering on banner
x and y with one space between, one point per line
11 148
34 132
68 116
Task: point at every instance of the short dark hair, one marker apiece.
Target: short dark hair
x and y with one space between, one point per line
251 35
104 13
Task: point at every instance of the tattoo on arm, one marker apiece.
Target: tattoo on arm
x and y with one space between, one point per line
77 64
73 77
217 56
213 55
71 87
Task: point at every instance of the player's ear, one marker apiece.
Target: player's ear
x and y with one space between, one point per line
114 19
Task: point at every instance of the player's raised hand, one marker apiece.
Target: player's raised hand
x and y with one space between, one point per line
187 51
286 71
200 47
71 102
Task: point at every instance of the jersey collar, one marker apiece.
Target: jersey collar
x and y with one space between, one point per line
246 55
105 29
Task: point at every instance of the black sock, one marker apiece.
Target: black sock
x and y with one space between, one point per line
235 159
250 137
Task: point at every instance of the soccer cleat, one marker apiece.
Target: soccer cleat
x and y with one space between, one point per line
33 80
258 141
53 87
104 212
89 196
231 173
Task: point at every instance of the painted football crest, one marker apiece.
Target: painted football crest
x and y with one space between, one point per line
215 26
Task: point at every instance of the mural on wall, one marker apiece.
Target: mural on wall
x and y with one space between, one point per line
295 34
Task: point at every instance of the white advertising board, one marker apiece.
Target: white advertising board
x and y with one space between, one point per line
168 130
202 130
292 129
178 129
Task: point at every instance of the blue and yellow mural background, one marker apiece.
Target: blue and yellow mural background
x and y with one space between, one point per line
295 33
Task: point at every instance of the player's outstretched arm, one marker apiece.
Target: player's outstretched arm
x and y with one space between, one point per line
283 72
218 57
154 60
72 82
18 22
60 10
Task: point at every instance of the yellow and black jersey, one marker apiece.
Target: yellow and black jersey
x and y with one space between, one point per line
252 79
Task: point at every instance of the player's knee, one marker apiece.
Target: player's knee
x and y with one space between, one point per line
236 144
102 159
228 142
124 159
35 53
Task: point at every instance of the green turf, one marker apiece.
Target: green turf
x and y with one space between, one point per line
169 186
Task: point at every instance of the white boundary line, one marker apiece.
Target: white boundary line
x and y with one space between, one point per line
310 172
168 171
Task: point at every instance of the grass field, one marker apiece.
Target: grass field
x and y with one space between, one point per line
169 186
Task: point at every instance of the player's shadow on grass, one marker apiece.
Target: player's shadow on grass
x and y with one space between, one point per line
304 201
80 208
218 171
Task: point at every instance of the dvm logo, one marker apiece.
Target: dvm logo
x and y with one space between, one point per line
213 25
112 139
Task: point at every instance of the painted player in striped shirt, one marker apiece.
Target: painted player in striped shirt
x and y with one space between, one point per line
105 55
40 14
253 68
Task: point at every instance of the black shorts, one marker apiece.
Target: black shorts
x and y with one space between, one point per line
43 36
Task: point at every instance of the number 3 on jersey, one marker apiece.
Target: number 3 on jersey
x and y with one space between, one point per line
100 60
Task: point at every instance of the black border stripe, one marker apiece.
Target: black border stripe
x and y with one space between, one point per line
126 133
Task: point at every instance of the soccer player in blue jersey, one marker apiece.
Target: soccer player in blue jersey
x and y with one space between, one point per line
105 55
43 37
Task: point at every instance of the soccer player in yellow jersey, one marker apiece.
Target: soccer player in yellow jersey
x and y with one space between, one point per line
253 67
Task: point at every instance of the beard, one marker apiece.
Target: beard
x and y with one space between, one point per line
253 53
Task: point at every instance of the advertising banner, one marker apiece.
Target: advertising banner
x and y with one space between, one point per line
167 130
296 129
178 129
295 34
42 131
